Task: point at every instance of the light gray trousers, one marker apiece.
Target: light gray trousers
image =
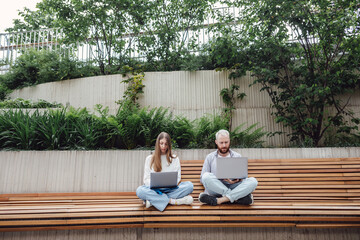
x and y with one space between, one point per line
218 188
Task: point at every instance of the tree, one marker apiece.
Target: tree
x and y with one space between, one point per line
107 26
305 54
32 20
166 37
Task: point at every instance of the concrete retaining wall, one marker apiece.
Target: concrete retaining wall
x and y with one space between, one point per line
112 171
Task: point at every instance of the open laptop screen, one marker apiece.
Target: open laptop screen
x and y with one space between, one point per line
163 179
232 167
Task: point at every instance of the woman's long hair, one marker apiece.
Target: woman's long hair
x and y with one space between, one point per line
156 157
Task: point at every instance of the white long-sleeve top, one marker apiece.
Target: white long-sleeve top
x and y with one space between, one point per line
172 167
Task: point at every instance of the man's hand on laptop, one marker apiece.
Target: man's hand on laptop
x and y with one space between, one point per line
232 181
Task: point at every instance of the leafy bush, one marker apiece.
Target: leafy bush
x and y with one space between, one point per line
223 51
41 66
132 127
17 130
250 137
21 103
205 129
51 130
192 62
3 90
141 126
182 132
341 139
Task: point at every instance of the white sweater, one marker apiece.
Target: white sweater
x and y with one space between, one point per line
174 166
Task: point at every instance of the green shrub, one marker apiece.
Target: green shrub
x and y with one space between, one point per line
4 91
17 130
51 130
182 132
343 139
223 51
205 129
132 127
250 137
41 66
21 103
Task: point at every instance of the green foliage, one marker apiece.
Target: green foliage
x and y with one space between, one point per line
135 78
141 126
306 76
223 51
31 20
182 132
132 127
101 24
160 29
17 130
153 122
229 97
36 67
205 129
51 130
166 40
192 62
22 103
126 116
343 140
250 137
4 91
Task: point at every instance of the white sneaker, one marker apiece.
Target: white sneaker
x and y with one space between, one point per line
187 200
147 204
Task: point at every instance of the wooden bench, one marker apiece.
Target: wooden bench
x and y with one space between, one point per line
304 193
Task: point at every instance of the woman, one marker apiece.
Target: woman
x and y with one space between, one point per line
162 160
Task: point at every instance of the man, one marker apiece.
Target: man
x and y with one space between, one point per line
218 191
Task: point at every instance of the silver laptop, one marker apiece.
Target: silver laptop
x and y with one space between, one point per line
163 179
232 167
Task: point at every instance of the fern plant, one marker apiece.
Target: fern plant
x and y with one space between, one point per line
182 132
205 129
249 137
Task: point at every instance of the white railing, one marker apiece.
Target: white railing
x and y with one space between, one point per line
12 44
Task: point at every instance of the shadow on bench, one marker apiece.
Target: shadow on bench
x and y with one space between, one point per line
304 193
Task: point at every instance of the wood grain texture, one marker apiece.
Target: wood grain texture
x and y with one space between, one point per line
323 196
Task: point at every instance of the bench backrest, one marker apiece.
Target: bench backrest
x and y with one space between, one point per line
294 179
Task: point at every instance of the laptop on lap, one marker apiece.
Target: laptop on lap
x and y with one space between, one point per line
163 179
232 168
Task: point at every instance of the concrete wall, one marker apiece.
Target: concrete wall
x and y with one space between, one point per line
190 233
191 94
112 171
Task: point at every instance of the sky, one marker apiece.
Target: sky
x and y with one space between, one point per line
9 11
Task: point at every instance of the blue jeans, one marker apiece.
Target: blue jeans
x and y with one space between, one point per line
161 201
218 188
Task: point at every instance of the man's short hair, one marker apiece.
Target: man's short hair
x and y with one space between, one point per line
223 133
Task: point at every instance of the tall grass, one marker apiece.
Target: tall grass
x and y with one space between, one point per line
132 127
17 130
51 130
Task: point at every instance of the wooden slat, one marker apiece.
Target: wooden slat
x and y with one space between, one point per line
69 227
328 225
216 225
306 193
71 222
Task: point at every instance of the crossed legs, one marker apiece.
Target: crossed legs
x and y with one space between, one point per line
161 201
225 192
